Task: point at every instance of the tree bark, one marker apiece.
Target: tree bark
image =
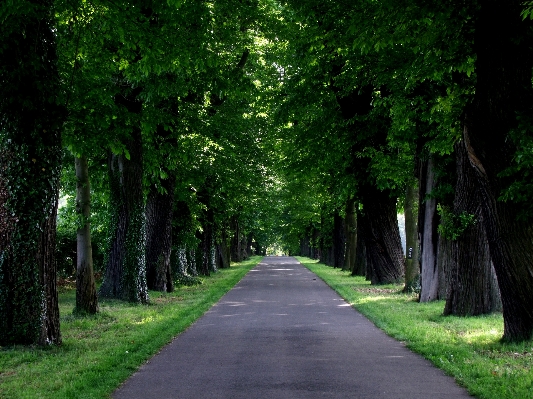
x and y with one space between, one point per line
382 236
339 240
360 265
236 251
125 276
427 225
86 298
159 211
471 290
350 232
444 266
412 264
30 169
503 90
223 251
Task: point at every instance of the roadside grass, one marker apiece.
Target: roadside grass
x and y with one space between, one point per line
467 348
99 352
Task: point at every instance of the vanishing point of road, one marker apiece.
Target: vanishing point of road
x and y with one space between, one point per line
281 332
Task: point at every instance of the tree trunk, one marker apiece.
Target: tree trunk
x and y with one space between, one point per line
350 232
427 225
223 251
236 251
206 258
244 250
444 266
382 236
125 276
339 240
503 89
470 291
159 211
86 298
360 265
412 264
30 169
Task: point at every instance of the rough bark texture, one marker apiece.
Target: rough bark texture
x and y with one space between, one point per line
223 251
470 291
382 236
350 233
236 250
360 265
339 240
504 62
412 264
159 207
50 329
427 225
30 159
86 298
125 276
444 266
206 250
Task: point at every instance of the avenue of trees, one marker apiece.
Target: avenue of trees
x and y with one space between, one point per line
185 134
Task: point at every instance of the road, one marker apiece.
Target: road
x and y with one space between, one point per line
281 332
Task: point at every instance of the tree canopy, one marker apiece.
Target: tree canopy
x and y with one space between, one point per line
212 129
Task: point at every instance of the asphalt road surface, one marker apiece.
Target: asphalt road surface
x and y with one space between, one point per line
281 332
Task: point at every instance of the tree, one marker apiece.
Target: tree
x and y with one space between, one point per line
30 165
492 136
86 299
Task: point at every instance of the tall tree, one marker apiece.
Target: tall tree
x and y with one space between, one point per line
86 299
503 90
30 164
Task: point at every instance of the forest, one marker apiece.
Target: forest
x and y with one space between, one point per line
146 142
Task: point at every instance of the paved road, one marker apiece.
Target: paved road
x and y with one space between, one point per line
283 333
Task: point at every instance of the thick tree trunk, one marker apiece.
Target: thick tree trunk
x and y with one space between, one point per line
427 225
350 232
223 251
382 236
236 250
503 89
50 331
444 266
207 245
339 240
360 265
159 211
86 298
30 168
125 276
471 290
412 264
244 249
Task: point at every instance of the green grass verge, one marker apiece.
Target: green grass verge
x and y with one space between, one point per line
467 348
100 352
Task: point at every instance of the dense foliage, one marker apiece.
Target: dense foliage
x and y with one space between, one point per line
218 129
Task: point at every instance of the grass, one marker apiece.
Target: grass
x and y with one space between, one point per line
467 348
100 352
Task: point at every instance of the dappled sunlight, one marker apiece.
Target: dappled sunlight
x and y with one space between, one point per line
481 336
233 303
145 320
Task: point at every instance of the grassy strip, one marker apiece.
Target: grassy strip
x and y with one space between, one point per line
467 348
100 352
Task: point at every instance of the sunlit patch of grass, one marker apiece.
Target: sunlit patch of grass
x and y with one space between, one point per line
468 348
101 351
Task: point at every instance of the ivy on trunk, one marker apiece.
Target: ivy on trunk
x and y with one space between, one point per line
30 165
